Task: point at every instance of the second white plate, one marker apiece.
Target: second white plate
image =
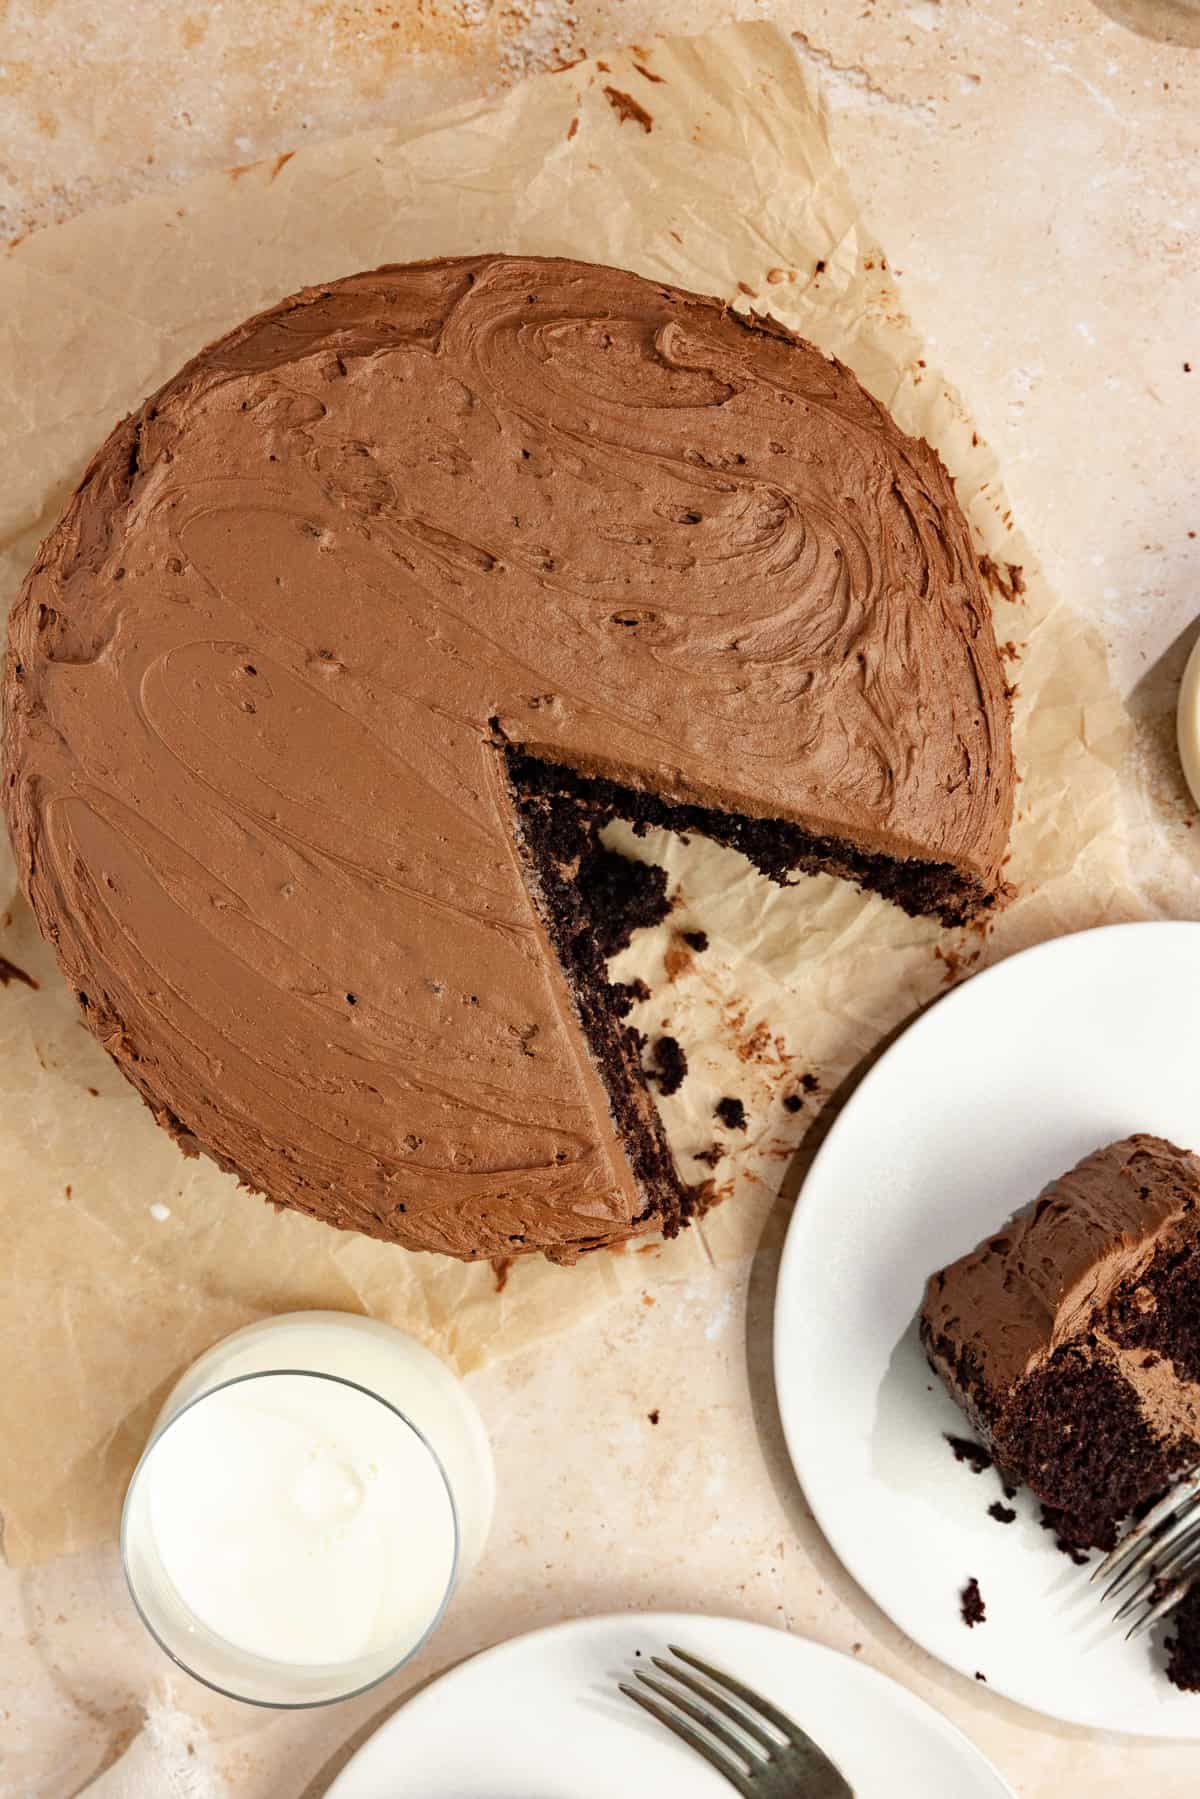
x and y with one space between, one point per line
1001 1086
541 1717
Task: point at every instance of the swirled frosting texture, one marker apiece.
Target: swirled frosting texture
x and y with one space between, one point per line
259 670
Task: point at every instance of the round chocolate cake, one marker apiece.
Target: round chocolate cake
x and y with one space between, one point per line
356 634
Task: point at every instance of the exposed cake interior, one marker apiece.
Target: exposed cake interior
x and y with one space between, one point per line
778 848
591 900
1072 1338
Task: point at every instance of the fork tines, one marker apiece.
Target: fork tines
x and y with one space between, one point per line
1156 1562
742 1735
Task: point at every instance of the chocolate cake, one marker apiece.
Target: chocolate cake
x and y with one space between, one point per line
357 632
1071 1338
1182 1642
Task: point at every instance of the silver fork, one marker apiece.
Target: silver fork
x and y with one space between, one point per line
765 1755
1156 1562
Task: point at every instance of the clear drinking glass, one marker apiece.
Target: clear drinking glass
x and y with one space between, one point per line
311 1492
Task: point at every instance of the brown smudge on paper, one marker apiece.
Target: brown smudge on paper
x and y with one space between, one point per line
649 74
573 127
677 959
1008 578
500 1268
280 162
753 1048
627 108
10 972
958 962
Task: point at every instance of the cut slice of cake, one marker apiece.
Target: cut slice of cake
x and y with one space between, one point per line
1071 1338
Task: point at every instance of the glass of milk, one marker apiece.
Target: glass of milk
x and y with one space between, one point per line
313 1488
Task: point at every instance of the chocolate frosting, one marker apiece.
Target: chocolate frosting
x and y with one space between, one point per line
260 669
1047 1277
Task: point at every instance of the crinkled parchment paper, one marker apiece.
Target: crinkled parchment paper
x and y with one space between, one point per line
701 161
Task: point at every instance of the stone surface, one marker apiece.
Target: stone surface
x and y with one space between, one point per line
1034 171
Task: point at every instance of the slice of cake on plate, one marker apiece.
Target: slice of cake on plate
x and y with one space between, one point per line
1071 1337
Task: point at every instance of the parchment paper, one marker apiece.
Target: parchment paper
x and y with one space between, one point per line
119 1260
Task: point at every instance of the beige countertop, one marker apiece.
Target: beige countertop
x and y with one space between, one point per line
1065 303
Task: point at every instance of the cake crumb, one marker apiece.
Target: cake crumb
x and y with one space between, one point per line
792 1102
670 1065
654 1415
966 1450
731 1112
627 109
1003 1514
697 940
982 1677
710 1156
626 994
971 1604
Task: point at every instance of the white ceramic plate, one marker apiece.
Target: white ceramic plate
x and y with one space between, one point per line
994 1091
541 1718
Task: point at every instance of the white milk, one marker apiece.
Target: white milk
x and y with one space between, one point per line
289 1538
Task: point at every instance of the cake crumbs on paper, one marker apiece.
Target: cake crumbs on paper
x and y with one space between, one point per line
1003 1514
654 1416
731 1112
670 1065
971 1604
982 1677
